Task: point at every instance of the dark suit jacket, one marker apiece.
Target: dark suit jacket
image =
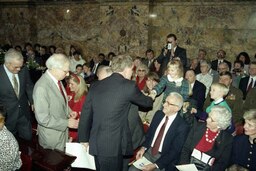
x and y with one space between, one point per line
104 118
16 106
214 64
198 94
250 101
221 150
173 141
146 62
243 85
163 60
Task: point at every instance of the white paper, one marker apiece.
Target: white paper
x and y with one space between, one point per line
186 167
84 159
141 162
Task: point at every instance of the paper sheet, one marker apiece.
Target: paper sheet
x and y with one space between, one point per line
84 159
186 167
141 162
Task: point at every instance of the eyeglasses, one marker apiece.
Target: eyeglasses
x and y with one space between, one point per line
171 104
141 70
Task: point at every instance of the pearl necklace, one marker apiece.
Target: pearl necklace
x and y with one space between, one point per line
212 140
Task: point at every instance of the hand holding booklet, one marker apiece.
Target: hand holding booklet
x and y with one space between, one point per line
139 164
84 159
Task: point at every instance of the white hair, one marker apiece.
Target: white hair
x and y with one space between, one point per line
57 61
178 98
11 55
223 116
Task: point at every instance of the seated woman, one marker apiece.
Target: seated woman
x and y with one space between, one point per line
76 98
147 115
246 156
9 148
141 75
209 145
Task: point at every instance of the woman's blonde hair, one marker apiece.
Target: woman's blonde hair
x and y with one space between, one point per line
250 115
175 63
82 88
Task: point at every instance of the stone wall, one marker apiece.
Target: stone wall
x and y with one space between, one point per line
130 26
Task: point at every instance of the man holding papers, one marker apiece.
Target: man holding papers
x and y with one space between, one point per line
165 137
104 118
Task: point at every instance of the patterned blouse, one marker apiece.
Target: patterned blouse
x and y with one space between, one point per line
9 151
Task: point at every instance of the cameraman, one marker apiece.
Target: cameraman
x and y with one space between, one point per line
238 73
170 51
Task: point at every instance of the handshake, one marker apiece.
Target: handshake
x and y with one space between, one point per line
72 121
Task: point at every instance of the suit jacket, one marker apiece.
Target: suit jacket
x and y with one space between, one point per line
164 59
104 118
243 86
221 150
136 127
198 95
16 106
51 111
250 101
214 64
173 141
146 62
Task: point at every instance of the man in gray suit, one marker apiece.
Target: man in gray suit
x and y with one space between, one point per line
53 115
16 94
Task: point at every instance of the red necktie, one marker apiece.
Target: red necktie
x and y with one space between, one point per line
61 90
250 85
159 137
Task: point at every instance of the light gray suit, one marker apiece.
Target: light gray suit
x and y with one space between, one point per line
51 113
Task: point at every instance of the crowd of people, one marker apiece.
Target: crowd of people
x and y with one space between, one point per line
170 109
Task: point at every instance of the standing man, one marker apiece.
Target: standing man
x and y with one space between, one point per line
104 119
165 137
16 94
170 51
51 105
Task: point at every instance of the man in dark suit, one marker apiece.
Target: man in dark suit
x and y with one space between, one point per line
247 83
164 153
172 50
16 94
149 60
221 54
198 89
104 119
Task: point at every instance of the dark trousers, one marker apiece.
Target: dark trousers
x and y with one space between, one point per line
108 163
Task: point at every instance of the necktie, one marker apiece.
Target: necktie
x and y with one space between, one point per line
15 85
250 85
61 90
159 137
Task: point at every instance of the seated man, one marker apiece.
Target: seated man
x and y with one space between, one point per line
165 137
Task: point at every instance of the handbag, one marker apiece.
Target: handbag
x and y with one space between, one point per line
200 165
202 161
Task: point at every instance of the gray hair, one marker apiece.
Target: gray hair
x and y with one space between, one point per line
178 98
204 62
120 62
143 66
223 116
11 55
57 61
